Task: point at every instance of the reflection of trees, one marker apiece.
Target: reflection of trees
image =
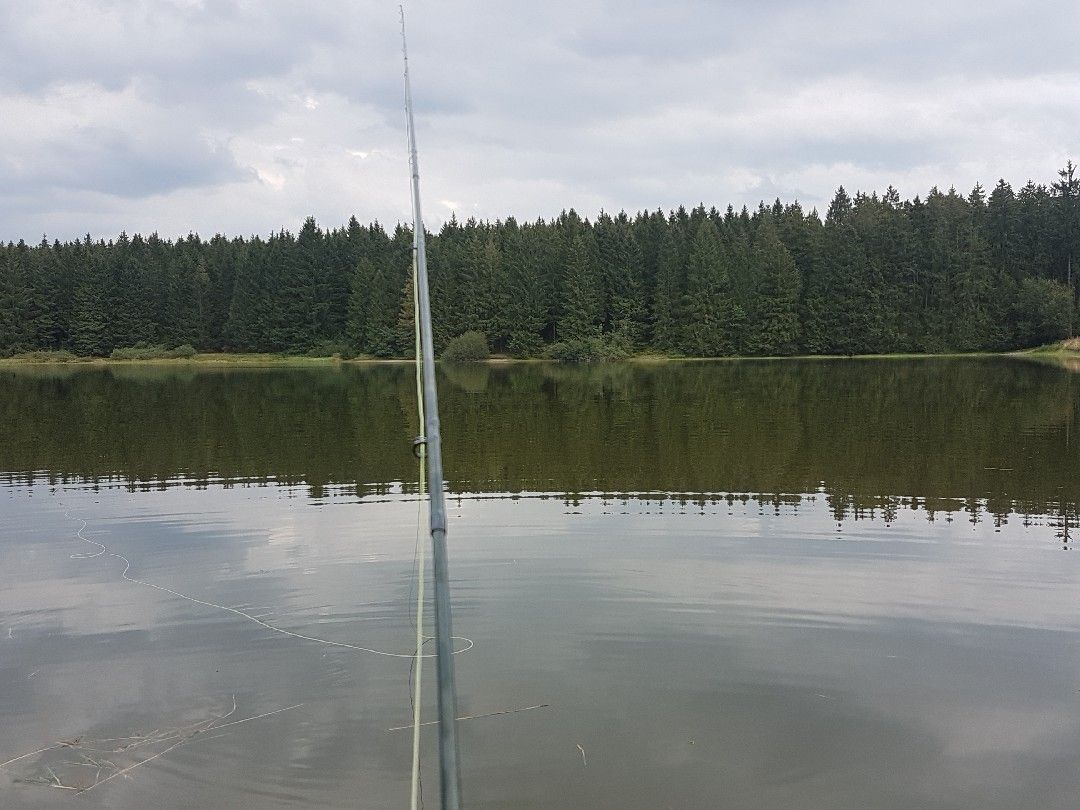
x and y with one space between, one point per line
974 436
1065 524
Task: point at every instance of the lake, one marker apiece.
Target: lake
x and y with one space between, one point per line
834 584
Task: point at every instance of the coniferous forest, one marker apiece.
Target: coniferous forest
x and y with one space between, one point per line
876 274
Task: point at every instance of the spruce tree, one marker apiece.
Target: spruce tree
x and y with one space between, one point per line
670 288
523 254
581 292
16 307
773 319
1066 192
621 271
708 310
91 334
360 284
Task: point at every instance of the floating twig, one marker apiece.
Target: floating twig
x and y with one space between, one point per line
477 716
178 737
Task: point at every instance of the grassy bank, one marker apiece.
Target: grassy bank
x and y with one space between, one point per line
222 359
1063 354
1063 348
1067 349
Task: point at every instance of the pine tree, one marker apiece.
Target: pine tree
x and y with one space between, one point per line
16 306
523 254
670 287
248 318
841 309
360 284
972 323
581 292
49 298
1066 194
91 334
708 308
620 266
773 322
405 325
1035 230
380 335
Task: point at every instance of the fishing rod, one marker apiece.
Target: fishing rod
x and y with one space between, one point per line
449 771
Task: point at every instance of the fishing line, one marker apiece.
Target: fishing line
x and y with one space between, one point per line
103 550
420 445
416 667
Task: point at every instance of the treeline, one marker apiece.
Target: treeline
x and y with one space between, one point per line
878 274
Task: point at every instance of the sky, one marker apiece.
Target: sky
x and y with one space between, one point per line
246 116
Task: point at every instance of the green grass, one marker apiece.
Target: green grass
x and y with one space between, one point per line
1067 348
43 356
1063 349
201 359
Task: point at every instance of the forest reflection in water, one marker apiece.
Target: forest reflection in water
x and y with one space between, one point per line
948 436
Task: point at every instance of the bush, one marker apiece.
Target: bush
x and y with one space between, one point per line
136 352
155 352
181 352
469 347
591 350
332 348
46 356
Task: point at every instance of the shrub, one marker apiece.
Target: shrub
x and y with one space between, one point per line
157 352
469 347
332 348
136 352
571 351
46 356
181 352
590 350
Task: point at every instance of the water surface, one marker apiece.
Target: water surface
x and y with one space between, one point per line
752 584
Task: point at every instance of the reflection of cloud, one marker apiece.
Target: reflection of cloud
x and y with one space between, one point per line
1000 729
810 668
917 664
797 569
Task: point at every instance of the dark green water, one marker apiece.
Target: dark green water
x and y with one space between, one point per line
753 584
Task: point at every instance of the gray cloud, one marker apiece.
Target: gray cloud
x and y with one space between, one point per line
178 115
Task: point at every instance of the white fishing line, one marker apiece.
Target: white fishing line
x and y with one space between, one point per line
103 550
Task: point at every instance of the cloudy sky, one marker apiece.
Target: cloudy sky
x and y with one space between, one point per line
245 116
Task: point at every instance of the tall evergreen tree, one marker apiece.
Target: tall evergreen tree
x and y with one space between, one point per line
90 333
670 288
623 311
523 252
581 292
709 311
773 318
1066 193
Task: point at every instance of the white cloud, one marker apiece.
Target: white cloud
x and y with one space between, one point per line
243 117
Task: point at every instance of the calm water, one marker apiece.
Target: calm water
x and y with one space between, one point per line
812 584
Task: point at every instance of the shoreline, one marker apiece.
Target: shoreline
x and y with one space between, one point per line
1066 350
